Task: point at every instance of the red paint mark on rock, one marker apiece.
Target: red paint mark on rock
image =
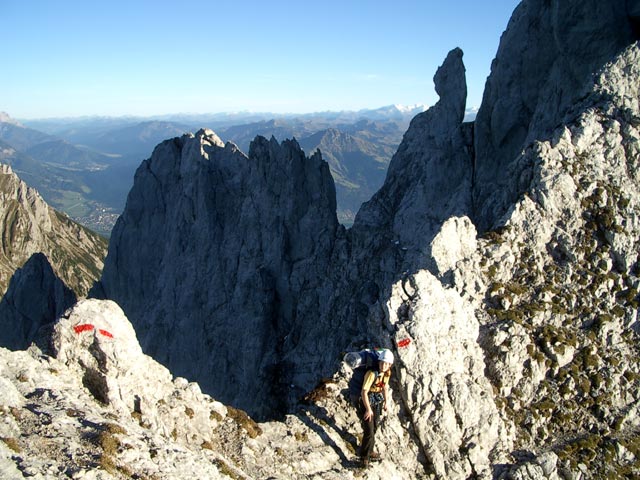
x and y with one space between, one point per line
404 342
85 327
105 333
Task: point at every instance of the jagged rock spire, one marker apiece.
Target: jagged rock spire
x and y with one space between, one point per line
231 247
429 177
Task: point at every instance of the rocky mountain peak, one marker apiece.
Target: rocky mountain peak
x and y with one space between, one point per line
197 204
208 136
433 162
451 85
31 226
499 261
6 118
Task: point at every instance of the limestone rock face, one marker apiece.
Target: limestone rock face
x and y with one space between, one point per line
35 297
230 244
94 406
97 342
455 241
441 370
559 317
528 334
543 67
97 407
29 226
432 163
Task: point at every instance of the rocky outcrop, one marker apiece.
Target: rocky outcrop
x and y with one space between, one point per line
30 226
91 405
531 350
96 407
544 65
441 372
35 297
235 250
568 299
432 163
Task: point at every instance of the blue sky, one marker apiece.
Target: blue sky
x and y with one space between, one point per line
72 58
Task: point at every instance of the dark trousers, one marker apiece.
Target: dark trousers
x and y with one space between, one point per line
369 428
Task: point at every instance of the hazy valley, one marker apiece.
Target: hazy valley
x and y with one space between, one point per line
85 166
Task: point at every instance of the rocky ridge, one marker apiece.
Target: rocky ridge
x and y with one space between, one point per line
86 403
96 407
238 231
560 311
542 68
31 226
517 347
559 288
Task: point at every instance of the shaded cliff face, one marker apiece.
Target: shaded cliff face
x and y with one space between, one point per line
35 297
30 226
232 248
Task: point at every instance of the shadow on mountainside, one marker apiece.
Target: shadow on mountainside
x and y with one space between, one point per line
319 421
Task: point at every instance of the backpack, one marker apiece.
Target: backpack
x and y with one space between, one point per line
361 362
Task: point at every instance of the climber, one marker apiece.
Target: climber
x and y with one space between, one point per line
373 399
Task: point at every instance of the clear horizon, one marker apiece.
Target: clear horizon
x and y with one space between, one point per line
145 59
230 112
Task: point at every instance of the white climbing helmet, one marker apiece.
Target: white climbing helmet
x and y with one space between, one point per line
385 355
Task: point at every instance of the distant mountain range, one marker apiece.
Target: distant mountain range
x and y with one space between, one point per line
87 185
85 166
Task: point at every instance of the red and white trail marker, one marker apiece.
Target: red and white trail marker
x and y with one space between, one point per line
87 327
